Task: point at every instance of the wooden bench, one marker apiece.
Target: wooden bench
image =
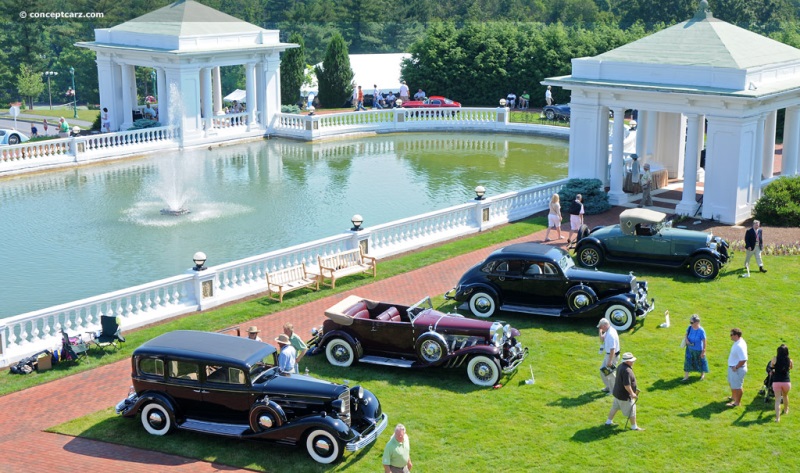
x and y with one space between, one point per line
289 279
345 263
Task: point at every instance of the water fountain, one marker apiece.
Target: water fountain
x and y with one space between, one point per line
170 188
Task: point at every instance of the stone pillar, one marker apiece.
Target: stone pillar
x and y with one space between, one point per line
163 97
250 79
184 94
128 84
261 95
757 161
206 95
615 194
701 133
651 139
216 85
791 141
641 133
272 69
108 73
688 199
768 164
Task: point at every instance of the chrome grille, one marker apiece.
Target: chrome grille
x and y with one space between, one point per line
345 398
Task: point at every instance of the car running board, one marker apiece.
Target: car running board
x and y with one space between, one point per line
379 360
555 312
230 430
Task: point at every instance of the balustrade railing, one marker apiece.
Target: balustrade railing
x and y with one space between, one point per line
26 334
230 120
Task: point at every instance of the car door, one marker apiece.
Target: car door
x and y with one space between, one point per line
508 275
183 385
227 396
390 338
544 285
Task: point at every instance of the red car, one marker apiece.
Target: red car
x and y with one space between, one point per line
436 101
417 336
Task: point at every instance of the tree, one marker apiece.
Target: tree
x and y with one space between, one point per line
29 83
335 77
293 70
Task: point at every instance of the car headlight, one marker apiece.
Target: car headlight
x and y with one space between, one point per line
339 406
357 392
497 339
713 245
507 331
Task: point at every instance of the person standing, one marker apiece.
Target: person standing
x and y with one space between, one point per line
63 128
781 384
34 131
359 99
299 345
753 245
252 333
376 98
609 339
694 358
548 95
106 121
737 367
635 173
45 125
554 217
626 393
646 182
576 211
397 454
404 93
287 359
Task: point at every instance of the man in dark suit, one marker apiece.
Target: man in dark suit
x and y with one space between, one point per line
753 244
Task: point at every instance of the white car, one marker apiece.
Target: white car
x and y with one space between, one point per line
12 137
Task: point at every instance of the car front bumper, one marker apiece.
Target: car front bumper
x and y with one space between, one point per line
125 405
516 361
369 434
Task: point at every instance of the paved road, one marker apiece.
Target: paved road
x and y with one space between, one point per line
25 447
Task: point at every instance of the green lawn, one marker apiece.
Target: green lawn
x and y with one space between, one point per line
556 424
83 114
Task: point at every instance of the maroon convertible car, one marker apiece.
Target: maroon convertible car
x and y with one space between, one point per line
417 336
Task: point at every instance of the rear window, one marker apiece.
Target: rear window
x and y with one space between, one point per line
151 366
224 375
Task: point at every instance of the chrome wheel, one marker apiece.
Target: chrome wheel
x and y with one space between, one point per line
339 353
620 317
483 371
590 256
705 267
482 305
431 348
323 447
156 419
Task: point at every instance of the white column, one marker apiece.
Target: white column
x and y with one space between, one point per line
652 137
768 165
163 96
250 79
272 85
688 199
261 95
641 133
128 81
701 133
615 194
108 87
757 161
588 144
791 143
206 98
216 85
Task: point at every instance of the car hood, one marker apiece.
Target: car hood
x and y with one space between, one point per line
452 325
301 385
576 274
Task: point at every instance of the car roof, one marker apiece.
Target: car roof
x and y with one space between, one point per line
529 249
207 346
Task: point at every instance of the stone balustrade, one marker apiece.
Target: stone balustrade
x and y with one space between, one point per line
25 334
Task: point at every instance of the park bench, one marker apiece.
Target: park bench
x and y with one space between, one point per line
289 279
345 263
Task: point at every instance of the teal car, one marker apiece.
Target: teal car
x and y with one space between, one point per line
646 237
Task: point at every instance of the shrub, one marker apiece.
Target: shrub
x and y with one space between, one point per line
290 109
144 123
97 123
595 199
780 204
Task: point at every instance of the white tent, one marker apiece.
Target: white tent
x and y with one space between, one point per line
238 95
382 70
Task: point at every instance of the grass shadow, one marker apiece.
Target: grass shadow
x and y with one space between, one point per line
577 401
667 384
765 413
707 410
593 434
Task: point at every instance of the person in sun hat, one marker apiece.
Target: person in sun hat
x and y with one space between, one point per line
299 345
609 339
625 392
252 333
288 357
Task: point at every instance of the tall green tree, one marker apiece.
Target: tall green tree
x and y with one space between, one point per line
335 77
293 65
29 83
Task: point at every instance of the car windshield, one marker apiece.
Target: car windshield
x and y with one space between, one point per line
419 307
448 101
263 370
566 262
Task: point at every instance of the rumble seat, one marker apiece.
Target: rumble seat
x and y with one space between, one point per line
389 315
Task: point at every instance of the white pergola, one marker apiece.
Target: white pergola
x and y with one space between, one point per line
702 76
187 43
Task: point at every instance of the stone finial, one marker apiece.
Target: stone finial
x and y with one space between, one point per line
702 11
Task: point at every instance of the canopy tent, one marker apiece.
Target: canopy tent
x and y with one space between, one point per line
382 70
238 95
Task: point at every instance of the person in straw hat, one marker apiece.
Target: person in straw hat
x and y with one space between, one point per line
288 357
252 333
625 392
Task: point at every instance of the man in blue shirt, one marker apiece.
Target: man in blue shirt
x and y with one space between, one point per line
288 355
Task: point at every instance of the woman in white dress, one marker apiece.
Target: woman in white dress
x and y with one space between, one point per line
554 217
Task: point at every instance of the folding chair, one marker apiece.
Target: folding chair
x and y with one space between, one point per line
72 348
110 335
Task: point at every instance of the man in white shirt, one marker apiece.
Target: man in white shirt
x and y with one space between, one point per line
404 92
610 349
737 367
376 98
288 356
420 95
548 96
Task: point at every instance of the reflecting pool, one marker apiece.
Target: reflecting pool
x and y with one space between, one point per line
71 234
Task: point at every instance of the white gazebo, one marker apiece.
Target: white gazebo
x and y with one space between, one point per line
187 43
700 77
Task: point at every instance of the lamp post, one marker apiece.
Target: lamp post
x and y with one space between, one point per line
74 95
357 220
480 191
199 259
50 74
153 77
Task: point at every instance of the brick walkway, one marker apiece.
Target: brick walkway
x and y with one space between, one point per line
24 415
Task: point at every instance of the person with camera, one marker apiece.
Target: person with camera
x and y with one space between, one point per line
694 359
737 367
609 339
626 392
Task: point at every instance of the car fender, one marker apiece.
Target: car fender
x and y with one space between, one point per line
148 397
468 290
707 252
590 239
353 341
628 299
296 428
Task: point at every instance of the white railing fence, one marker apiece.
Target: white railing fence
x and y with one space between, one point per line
25 334
66 151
